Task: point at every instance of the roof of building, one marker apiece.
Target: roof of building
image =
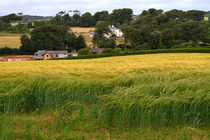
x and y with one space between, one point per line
51 52
97 50
74 51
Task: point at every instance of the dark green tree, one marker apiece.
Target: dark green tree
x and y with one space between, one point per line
101 16
174 14
107 43
51 37
102 28
80 42
123 16
26 45
195 15
87 20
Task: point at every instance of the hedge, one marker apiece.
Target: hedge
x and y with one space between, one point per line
182 50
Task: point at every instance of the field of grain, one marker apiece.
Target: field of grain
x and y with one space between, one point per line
9 40
82 30
156 96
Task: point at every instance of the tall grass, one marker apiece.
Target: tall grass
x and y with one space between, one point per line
158 100
153 95
147 100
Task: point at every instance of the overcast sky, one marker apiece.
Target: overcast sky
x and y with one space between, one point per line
51 7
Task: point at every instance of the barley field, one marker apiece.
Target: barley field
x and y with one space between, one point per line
156 96
9 40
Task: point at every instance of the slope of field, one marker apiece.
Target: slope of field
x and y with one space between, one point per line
82 30
158 96
9 40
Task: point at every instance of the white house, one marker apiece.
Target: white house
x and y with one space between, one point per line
116 31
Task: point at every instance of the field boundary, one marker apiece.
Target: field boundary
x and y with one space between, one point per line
158 51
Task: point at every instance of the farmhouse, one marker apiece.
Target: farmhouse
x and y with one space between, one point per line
44 55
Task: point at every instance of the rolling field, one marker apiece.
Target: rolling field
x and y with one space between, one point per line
156 96
9 40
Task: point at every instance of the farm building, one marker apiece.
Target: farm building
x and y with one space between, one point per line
17 58
97 50
74 53
44 55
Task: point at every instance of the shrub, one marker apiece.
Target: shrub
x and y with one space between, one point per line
107 43
84 51
144 46
11 51
117 51
183 45
108 50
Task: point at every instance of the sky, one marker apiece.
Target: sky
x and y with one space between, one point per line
51 7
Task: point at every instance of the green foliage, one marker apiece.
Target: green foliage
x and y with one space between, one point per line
28 130
51 37
122 16
20 28
117 51
183 45
9 51
108 50
87 20
175 14
26 45
195 15
10 18
107 43
84 51
102 28
101 16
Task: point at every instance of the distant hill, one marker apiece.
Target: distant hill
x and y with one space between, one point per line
26 18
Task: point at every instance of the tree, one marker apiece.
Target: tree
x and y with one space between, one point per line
155 12
155 39
195 15
123 16
26 45
51 37
84 51
132 35
205 35
80 42
190 31
76 19
20 28
102 28
101 16
87 20
174 14
107 43
10 18
167 37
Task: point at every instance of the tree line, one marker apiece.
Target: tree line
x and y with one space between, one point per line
152 29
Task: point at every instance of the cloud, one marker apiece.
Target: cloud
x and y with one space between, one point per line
51 7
